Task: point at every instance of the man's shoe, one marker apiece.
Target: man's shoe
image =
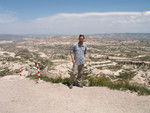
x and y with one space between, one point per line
71 86
80 85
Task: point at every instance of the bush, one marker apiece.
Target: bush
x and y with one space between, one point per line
99 81
126 75
4 72
103 81
56 80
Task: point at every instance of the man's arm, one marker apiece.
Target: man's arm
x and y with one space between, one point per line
72 57
72 54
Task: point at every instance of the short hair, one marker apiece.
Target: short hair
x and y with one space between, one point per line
81 36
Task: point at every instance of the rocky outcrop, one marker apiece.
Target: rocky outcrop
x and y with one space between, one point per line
59 70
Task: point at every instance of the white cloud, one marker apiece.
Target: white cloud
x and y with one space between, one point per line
6 18
74 23
147 13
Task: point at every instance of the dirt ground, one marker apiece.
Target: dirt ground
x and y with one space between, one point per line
21 95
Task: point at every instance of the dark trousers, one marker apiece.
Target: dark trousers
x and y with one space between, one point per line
77 70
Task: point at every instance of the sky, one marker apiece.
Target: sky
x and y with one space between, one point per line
74 16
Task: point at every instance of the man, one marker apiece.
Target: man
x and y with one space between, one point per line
78 55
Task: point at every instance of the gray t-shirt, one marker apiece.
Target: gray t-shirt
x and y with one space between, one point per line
79 52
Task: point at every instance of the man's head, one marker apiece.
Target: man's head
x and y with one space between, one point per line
81 38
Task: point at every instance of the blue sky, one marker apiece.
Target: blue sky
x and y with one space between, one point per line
49 16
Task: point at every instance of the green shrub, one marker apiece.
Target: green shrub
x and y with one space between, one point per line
102 81
4 72
126 75
53 80
99 81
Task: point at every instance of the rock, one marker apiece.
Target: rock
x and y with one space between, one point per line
61 70
139 78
